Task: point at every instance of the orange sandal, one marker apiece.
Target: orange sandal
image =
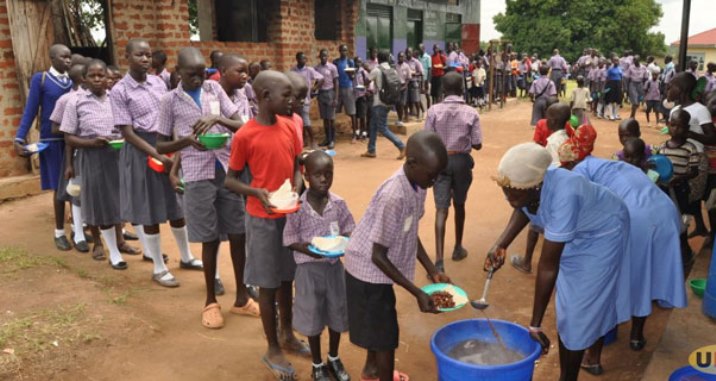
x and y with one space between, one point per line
211 316
397 376
251 308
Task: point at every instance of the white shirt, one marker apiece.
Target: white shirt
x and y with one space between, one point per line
699 116
555 141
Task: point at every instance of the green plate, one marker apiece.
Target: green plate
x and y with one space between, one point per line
698 286
453 289
116 144
214 141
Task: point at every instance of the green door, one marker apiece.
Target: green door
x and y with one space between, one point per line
453 32
379 27
415 33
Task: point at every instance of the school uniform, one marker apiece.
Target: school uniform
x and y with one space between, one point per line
147 197
165 76
541 89
559 68
637 76
56 117
320 299
427 63
652 95
89 116
270 153
361 79
391 220
45 89
327 93
346 99
404 73
212 211
458 126
416 68
311 76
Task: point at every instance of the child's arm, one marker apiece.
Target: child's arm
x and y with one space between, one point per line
69 165
435 275
166 145
204 124
234 183
56 128
303 249
381 260
174 174
496 256
132 138
80 142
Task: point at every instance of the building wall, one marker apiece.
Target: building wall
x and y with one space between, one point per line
10 103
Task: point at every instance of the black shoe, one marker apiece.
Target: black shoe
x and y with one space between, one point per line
637 345
459 254
323 143
62 243
122 265
194 264
337 370
82 246
253 292
128 236
149 259
219 287
320 374
331 145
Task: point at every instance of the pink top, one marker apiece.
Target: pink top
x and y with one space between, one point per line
304 225
416 68
637 74
391 220
329 72
311 76
137 104
242 103
177 114
457 124
166 76
538 87
61 104
403 72
89 116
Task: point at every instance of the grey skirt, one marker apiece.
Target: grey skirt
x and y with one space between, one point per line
99 171
62 194
147 197
539 107
636 92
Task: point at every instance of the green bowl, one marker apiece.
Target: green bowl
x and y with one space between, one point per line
574 121
214 141
116 144
698 286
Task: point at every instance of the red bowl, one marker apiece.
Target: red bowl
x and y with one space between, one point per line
155 164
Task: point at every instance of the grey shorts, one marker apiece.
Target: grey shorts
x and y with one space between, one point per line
212 211
325 102
320 299
414 92
347 101
454 182
268 262
403 97
306 115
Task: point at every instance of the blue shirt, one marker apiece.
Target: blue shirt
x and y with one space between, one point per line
195 95
614 74
344 81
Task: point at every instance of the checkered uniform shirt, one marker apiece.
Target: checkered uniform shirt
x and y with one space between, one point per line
329 72
177 114
89 116
457 124
61 104
404 72
391 220
304 225
137 104
242 103
415 67
311 76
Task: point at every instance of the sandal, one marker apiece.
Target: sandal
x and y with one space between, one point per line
282 373
211 316
251 308
516 262
125 248
397 376
297 347
637 345
98 253
594 369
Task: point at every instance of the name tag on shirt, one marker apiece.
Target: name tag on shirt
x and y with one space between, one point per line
407 224
214 108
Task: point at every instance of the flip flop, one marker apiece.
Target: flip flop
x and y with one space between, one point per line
211 316
397 376
98 253
637 345
516 262
594 369
251 308
281 373
129 250
302 350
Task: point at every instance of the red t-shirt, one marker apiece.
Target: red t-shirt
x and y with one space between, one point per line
270 153
542 132
438 59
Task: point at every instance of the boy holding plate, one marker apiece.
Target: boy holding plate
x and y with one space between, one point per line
320 281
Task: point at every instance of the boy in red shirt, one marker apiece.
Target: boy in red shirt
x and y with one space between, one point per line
269 147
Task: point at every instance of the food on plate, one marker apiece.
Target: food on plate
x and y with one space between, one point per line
330 244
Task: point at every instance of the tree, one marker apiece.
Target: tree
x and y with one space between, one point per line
571 26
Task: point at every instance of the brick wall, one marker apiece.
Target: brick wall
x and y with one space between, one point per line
10 103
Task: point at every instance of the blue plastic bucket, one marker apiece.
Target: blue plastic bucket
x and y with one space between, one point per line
709 303
688 373
611 336
514 336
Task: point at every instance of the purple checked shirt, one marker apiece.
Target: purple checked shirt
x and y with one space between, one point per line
137 104
360 79
177 114
637 74
556 62
242 104
166 76
391 220
61 104
403 72
651 90
311 76
416 68
89 116
329 72
457 124
539 85
304 225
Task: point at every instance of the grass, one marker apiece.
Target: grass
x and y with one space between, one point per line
38 331
14 259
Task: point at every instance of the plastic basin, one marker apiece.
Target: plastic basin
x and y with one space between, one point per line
688 373
698 286
514 336
214 141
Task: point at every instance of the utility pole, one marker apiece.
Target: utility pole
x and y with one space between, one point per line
683 45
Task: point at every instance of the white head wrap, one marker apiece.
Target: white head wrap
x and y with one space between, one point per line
523 166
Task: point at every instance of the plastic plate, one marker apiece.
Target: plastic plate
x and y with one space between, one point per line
327 254
287 211
36 147
451 288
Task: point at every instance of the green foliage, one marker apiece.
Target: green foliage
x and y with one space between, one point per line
193 18
571 26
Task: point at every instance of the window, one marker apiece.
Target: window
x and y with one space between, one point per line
242 20
453 2
327 19
698 57
453 27
414 25
379 27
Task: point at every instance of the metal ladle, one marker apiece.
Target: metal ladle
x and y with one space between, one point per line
481 304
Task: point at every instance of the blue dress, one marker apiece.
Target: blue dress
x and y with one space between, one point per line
655 271
592 222
42 97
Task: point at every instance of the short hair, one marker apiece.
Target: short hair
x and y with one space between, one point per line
383 56
636 143
113 68
94 62
668 59
681 116
299 54
264 64
160 56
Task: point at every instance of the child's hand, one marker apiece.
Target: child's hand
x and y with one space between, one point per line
425 302
542 339
192 140
263 196
176 184
440 278
167 162
20 150
204 124
69 172
304 249
99 142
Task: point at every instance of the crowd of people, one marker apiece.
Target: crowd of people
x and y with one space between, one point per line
129 149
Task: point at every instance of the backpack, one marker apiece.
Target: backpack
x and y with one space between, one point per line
390 88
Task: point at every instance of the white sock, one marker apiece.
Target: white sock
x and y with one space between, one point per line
217 266
331 358
182 237
110 239
77 223
154 247
59 233
139 231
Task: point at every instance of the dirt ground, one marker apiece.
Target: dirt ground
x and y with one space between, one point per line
64 316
